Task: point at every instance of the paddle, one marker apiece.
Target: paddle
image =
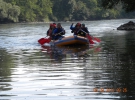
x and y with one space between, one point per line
96 39
58 33
90 37
55 34
44 40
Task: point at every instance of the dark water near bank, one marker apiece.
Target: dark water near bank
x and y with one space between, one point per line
31 72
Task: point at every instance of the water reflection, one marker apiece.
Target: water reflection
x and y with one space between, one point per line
6 64
79 73
128 62
116 62
60 54
105 72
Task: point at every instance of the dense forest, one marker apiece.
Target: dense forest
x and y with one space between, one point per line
59 10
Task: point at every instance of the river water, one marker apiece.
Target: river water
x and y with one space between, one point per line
31 72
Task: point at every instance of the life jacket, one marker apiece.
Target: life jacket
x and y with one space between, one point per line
76 31
59 30
85 29
81 33
55 35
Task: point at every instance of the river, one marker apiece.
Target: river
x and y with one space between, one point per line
31 72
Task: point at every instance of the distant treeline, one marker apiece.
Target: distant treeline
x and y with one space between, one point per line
58 10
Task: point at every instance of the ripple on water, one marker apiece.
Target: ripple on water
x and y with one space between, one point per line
28 71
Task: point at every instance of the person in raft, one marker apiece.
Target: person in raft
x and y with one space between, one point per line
77 30
54 25
85 30
50 30
58 32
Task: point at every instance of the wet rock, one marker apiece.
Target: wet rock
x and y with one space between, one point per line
128 26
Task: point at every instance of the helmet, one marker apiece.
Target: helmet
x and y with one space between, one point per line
54 24
83 24
78 24
51 25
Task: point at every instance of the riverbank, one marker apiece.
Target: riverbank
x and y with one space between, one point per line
21 22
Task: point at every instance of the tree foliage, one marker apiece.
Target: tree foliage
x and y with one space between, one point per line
127 5
33 10
9 12
82 10
64 10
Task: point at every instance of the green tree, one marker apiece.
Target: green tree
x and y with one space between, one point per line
92 6
33 10
81 12
127 5
64 10
9 12
101 13
43 10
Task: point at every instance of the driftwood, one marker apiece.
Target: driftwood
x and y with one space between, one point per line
128 26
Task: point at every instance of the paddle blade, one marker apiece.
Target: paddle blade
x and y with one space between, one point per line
44 40
41 41
90 39
97 39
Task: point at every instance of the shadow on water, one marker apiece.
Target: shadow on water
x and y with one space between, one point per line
59 54
118 61
6 64
128 62
111 71
93 73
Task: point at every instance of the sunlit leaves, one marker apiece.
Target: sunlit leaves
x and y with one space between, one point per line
63 10
9 12
33 10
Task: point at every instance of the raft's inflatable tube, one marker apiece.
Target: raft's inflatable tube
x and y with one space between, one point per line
71 40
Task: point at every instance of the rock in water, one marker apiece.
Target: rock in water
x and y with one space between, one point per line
128 26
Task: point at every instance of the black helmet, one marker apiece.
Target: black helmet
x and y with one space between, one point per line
83 24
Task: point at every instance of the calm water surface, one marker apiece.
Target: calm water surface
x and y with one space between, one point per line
31 72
